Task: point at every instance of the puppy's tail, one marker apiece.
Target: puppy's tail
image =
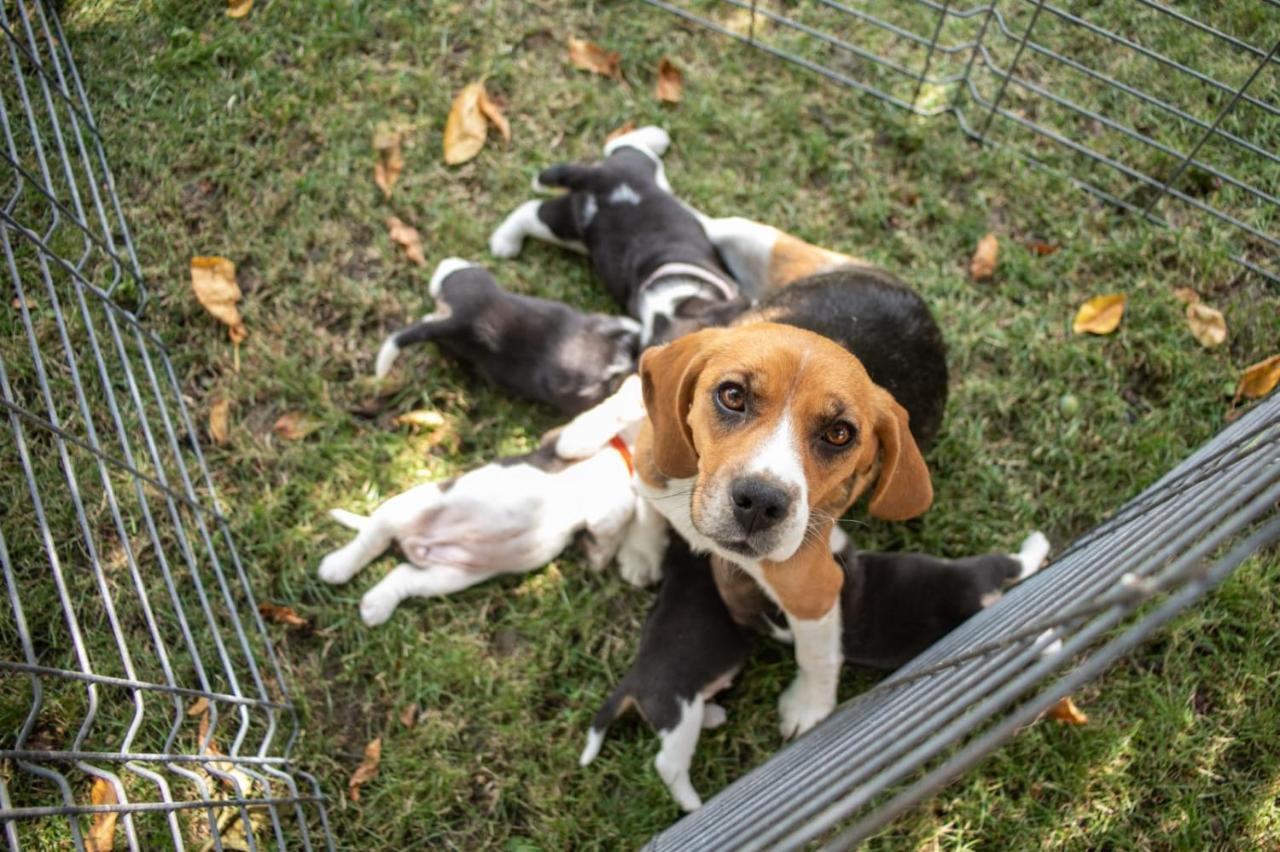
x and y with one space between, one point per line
350 520
570 176
419 332
611 709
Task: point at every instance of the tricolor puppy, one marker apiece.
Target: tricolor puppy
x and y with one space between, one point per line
532 348
758 437
698 634
648 248
511 516
690 650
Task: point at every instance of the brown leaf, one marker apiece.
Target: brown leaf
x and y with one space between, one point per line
102 834
465 129
589 56
198 707
1187 295
281 615
1259 379
670 86
619 131
386 142
983 265
493 113
422 419
1043 249
367 769
409 715
408 238
238 8
1207 324
1099 315
1067 712
17 303
214 281
294 425
219 419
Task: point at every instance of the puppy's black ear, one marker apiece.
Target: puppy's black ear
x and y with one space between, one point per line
668 375
904 489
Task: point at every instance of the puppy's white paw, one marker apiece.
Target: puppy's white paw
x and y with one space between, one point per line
376 609
1033 554
800 708
337 568
713 716
640 566
580 440
506 242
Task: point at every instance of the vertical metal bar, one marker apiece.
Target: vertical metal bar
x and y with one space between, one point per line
1191 155
1004 83
928 58
978 41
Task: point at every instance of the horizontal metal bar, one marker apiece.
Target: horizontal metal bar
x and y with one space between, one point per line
1204 28
153 807
126 683
142 756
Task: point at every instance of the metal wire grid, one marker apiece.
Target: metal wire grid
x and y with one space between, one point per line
135 653
1177 125
1162 551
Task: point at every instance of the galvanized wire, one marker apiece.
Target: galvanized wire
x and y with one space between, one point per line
135 654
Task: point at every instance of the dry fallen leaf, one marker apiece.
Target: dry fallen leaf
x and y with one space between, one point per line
1043 249
214 281
17 303
670 84
493 114
367 769
983 265
294 425
281 615
465 129
1187 295
1099 315
619 131
422 418
1259 379
1207 324
1067 712
102 834
409 715
386 142
407 237
238 8
198 707
219 418
589 56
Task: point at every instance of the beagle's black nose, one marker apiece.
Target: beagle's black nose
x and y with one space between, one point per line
758 504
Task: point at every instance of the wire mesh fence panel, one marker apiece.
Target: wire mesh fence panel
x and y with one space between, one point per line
139 693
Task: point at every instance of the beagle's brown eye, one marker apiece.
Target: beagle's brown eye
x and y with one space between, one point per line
732 396
838 434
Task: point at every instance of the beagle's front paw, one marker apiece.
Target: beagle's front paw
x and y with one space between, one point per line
801 707
375 609
337 568
639 564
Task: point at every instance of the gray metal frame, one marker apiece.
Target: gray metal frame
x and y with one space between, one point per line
112 528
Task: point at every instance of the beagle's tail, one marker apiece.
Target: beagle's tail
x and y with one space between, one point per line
419 332
613 707
350 520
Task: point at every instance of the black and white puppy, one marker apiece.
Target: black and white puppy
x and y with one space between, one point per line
649 249
533 348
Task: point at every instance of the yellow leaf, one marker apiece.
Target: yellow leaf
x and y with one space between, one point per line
214 281
1207 324
409 715
198 707
589 56
1187 295
102 834
281 615
29 303
219 417
294 425
670 84
619 131
1099 315
983 264
493 114
386 142
1260 379
464 131
238 8
408 238
1067 712
422 419
367 769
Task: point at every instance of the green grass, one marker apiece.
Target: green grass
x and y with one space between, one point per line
252 139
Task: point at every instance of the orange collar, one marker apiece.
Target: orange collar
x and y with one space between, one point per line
621 446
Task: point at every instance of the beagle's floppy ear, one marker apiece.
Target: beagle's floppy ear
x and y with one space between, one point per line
904 489
668 375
